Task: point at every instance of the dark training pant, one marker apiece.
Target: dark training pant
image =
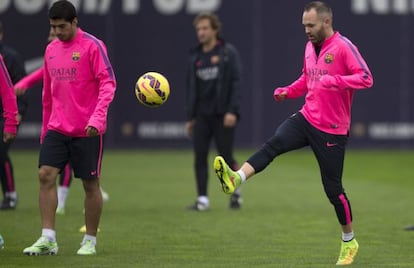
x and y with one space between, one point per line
6 166
209 128
296 132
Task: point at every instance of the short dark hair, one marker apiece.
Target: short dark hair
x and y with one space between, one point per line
320 8
62 9
214 21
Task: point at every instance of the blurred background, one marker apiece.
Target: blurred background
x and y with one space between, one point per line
156 35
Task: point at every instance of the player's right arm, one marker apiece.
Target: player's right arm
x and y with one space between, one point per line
294 90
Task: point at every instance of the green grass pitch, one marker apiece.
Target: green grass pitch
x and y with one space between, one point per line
286 220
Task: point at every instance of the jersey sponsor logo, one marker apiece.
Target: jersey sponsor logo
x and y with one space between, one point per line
63 74
314 74
75 56
208 73
329 58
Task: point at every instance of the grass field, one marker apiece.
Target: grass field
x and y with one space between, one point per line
286 220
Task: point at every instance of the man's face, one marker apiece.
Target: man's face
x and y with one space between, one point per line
205 33
314 26
63 29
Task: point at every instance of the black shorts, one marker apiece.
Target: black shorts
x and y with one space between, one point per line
83 153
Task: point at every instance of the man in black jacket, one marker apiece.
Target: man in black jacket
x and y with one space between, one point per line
15 67
212 102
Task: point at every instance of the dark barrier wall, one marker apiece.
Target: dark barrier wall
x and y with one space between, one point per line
155 35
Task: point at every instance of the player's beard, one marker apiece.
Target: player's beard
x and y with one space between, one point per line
319 36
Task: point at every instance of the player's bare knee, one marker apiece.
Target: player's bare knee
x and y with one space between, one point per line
47 175
91 185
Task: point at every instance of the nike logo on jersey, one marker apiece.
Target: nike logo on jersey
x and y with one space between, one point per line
328 144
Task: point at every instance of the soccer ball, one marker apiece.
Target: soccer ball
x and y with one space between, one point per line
152 89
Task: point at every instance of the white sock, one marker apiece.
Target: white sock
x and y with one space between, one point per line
62 195
242 175
204 200
347 236
89 237
12 195
50 234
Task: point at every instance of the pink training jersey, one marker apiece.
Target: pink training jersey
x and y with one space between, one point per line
329 82
8 100
30 80
79 85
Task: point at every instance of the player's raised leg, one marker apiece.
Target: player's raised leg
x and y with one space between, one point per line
287 137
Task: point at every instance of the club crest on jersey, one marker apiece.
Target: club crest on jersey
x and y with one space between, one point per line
329 58
75 56
215 59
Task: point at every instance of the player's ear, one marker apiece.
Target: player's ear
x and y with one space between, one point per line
327 21
75 21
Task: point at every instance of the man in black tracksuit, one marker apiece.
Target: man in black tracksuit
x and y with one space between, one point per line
15 67
212 102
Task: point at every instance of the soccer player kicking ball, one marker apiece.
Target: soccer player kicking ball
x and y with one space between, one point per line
333 69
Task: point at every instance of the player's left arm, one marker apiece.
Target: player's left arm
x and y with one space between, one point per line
29 81
358 74
235 81
104 73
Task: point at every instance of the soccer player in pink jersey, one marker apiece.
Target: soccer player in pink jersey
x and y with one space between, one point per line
79 85
65 178
9 111
15 67
333 70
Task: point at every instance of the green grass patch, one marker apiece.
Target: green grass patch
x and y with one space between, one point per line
286 220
